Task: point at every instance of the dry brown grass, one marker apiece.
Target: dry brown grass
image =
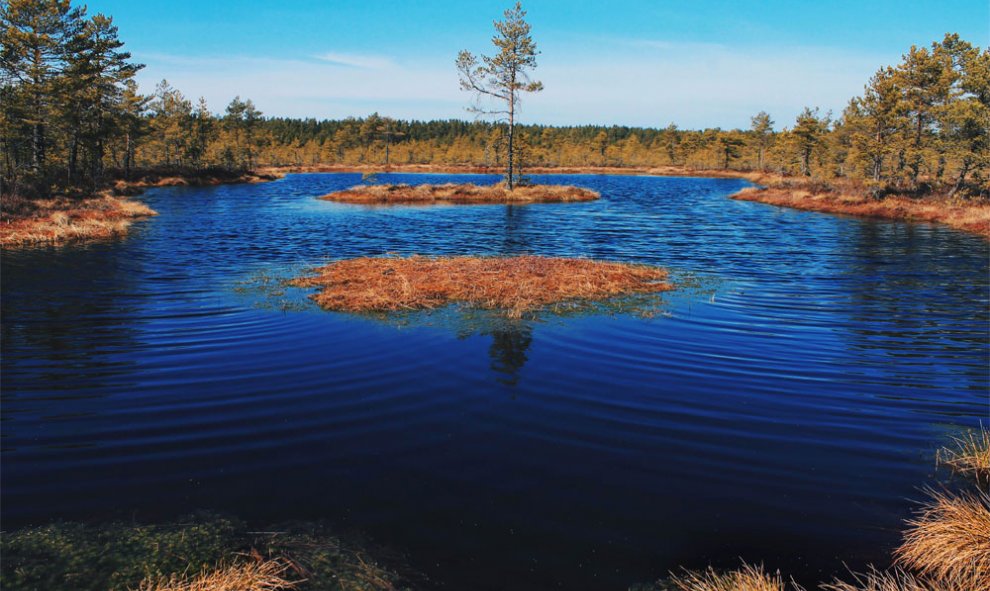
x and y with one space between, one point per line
900 580
950 539
460 194
746 578
253 575
969 455
64 219
515 284
971 216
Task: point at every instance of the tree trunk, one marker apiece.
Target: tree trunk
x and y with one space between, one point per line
962 177
511 126
127 155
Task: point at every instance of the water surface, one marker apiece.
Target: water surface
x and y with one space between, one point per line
786 413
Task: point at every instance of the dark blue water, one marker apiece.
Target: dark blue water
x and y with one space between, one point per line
786 413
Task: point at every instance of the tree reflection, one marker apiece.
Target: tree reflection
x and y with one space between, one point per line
508 351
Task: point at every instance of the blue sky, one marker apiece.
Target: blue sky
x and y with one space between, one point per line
702 63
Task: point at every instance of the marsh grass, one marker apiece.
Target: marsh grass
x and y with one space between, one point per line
245 575
515 285
461 194
746 578
968 455
949 539
66 219
898 579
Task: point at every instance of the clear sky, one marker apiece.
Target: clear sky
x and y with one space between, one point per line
700 63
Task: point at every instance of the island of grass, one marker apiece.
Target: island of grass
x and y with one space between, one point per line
460 194
516 285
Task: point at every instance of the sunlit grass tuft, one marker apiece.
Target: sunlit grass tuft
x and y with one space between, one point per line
900 580
950 538
746 578
251 575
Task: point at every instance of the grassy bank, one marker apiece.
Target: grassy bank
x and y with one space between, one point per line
460 194
59 220
103 212
515 284
972 215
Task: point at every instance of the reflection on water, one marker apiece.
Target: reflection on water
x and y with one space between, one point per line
786 411
508 352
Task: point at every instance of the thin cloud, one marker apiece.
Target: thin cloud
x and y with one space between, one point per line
356 60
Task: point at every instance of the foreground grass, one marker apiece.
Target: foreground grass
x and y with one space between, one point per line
898 579
66 219
462 194
746 578
970 215
950 539
201 553
515 284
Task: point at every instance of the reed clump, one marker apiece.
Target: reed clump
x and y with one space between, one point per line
950 539
252 575
970 215
898 579
65 219
517 284
460 194
747 578
969 455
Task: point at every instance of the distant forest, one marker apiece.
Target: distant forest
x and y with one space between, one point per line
71 115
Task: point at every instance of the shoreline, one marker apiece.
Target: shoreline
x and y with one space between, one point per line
972 217
666 171
805 194
107 214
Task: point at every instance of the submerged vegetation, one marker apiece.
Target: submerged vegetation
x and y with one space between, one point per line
516 285
204 552
464 194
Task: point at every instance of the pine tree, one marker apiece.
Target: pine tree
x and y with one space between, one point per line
504 76
762 128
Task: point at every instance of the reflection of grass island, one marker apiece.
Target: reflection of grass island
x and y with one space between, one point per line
517 284
461 194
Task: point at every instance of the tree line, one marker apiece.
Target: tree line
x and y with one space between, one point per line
72 116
